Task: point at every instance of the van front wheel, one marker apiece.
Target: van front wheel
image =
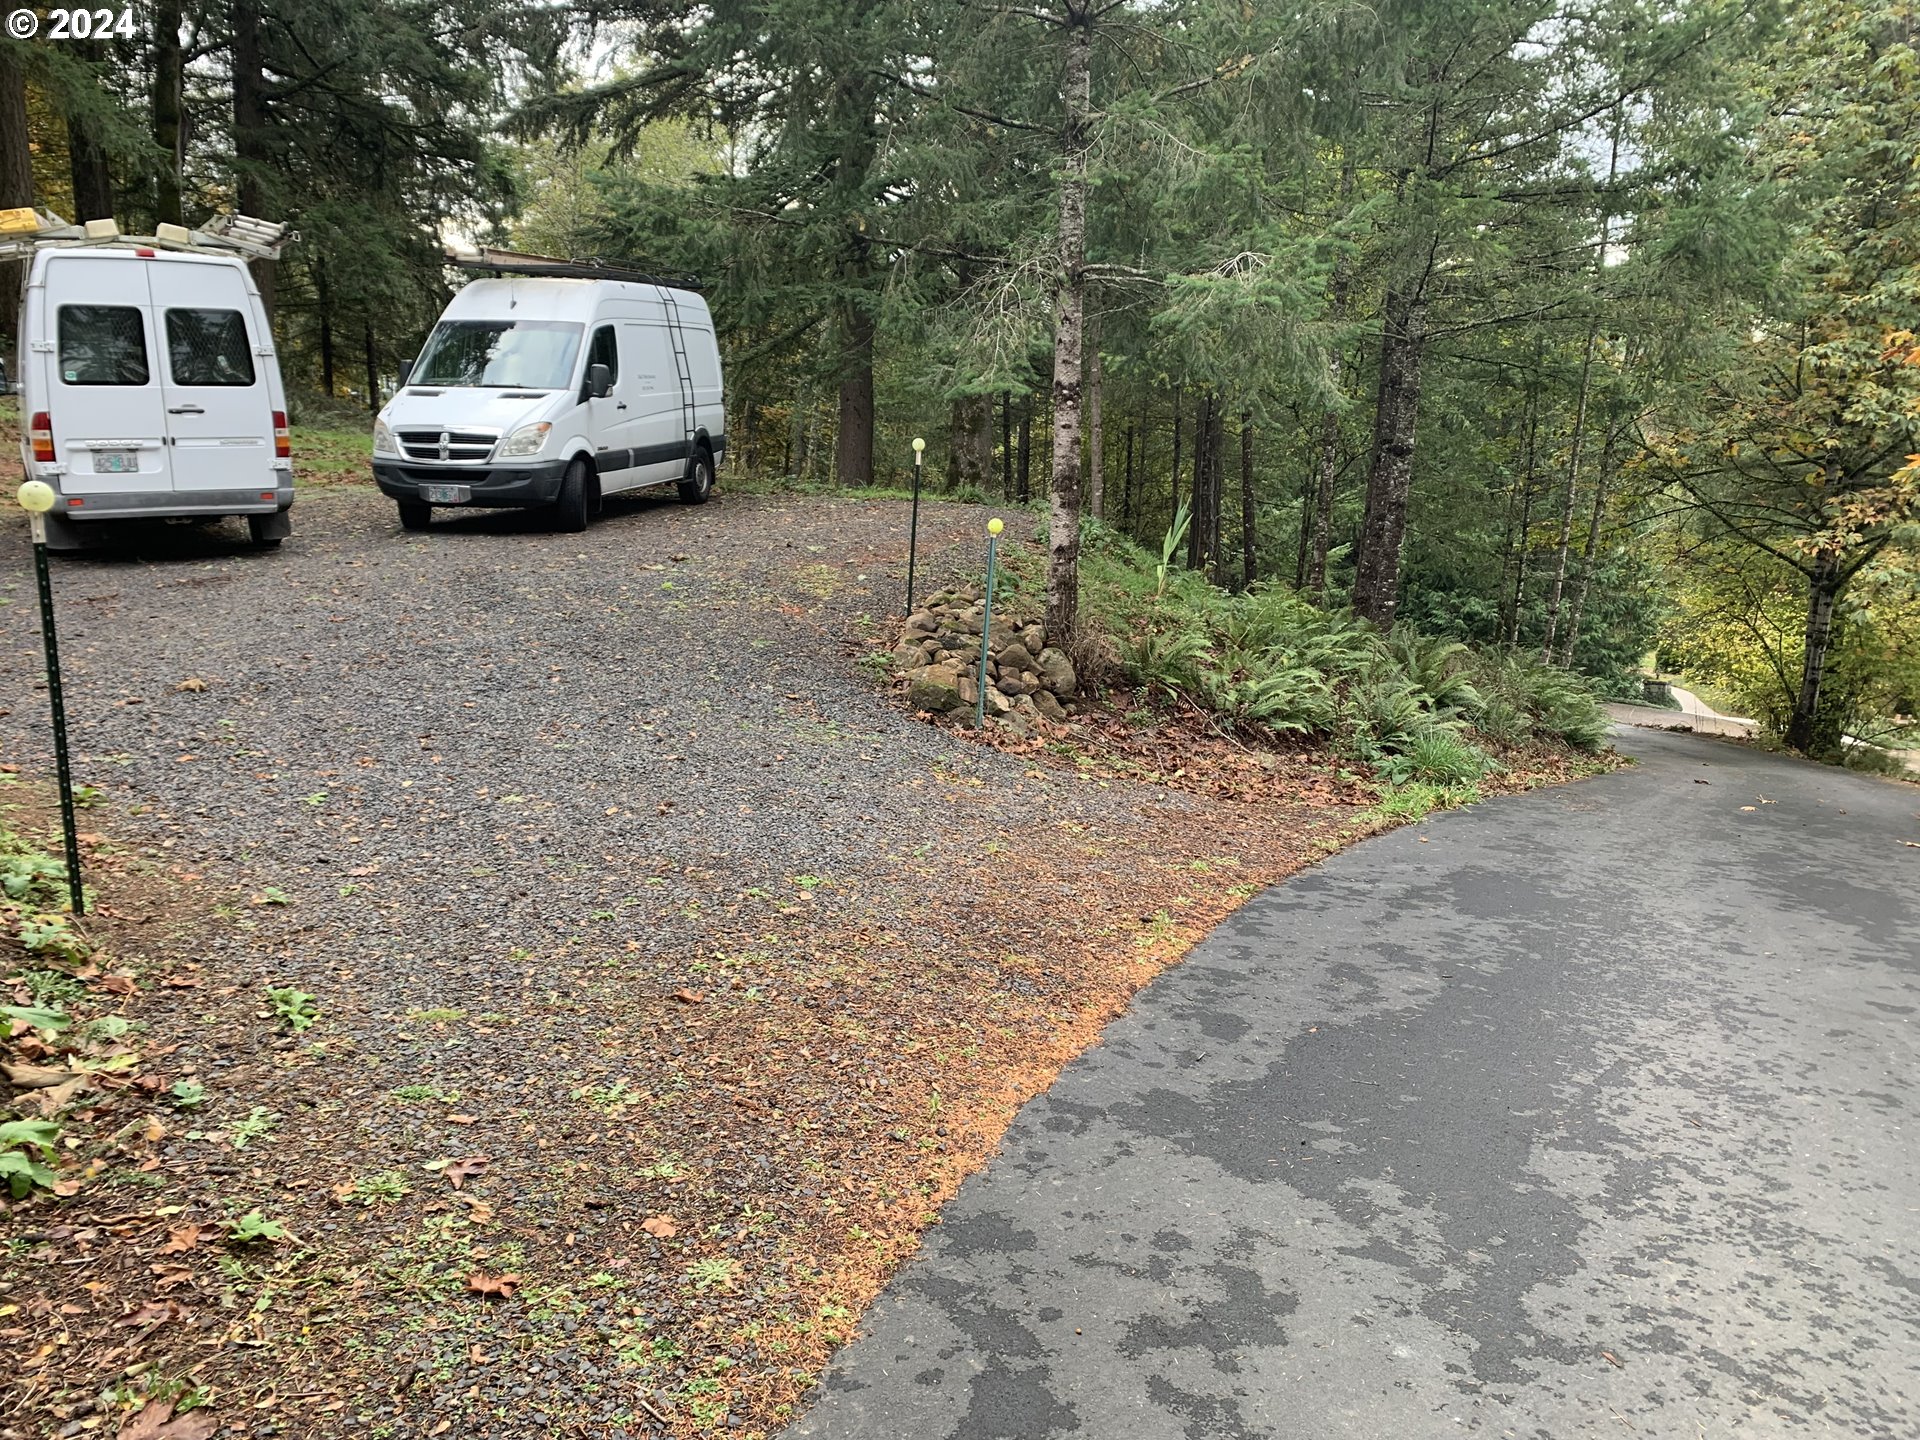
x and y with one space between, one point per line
699 482
414 515
570 510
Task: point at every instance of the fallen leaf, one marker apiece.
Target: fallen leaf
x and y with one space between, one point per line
1613 1360
186 1237
1745 808
501 1285
168 1276
661 1227
689 997
158 1422
459 1171
192 685
155 1312
37 1077
477 1356
462 1119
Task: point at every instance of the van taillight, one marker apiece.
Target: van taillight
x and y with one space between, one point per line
282 444
40 434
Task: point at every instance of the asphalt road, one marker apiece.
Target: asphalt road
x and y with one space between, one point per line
1588 1112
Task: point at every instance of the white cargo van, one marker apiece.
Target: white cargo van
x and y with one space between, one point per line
148 383
553 386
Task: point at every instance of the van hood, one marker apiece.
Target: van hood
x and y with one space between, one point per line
464 407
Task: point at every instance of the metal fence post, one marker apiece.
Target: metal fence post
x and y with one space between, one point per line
36 498
994 527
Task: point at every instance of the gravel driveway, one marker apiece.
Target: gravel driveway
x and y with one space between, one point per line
606 863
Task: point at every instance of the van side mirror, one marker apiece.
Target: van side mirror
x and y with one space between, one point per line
406 369
599 381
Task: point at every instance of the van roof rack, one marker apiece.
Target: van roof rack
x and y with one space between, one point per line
25 230
488 260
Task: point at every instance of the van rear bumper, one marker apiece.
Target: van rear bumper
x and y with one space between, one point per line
534 484
172 504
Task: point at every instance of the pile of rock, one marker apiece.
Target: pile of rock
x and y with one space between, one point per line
938 657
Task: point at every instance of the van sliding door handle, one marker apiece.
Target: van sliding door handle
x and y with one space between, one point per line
185 410
621 406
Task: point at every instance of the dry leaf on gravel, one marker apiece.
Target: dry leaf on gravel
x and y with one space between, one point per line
661 1227
689 997
185 1237
501 1285
158 1422
37 1077
155 1312
459 1171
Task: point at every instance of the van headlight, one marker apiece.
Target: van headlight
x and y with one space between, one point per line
383 441
527 440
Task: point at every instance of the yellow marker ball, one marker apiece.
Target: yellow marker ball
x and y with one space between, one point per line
996 525
35 497
918 444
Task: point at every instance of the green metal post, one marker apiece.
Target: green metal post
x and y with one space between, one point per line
913 530
56 700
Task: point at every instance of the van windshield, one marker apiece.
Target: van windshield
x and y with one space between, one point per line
499 354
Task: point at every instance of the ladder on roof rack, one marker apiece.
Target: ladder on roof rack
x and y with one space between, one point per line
488 260
24 231
676 337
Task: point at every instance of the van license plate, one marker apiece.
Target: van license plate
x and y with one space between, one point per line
446 494
116 462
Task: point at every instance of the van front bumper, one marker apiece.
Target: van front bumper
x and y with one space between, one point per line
535 483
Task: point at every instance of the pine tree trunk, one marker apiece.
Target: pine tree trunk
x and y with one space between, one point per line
1572 636
252 153
1173 504
1006 444
970 445
853 439
1126 486
1329 468
1216 490
1571 504
1096 433
87 164
1523 539
373 368
16 177
1025 493
323 295
1805 730
1403 342
1198 529
169 78
1063 537
1249 566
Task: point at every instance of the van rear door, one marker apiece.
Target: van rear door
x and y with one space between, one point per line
105 396
219 411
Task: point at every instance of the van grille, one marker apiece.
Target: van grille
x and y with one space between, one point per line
460 447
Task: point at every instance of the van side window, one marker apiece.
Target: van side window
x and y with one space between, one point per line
605 352
102 345
208 347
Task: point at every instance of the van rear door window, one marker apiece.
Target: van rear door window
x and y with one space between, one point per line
102 345
209 347
499 354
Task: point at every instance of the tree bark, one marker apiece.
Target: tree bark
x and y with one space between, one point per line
1063 537
1805 732
1329 468
16 176
970 444
1126 485
1096 433
1006 444
1199 528
1572 636
1249 566
252 152
323 296
373 368
1173 504
87 164
165 98
1403 342
1216 490
1523 541
1573 494
853 439
1025 492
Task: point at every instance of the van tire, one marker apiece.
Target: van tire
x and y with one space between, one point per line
414 515
699 482
259 530
570 510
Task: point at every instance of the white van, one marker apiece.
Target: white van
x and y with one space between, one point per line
553 390
148 384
